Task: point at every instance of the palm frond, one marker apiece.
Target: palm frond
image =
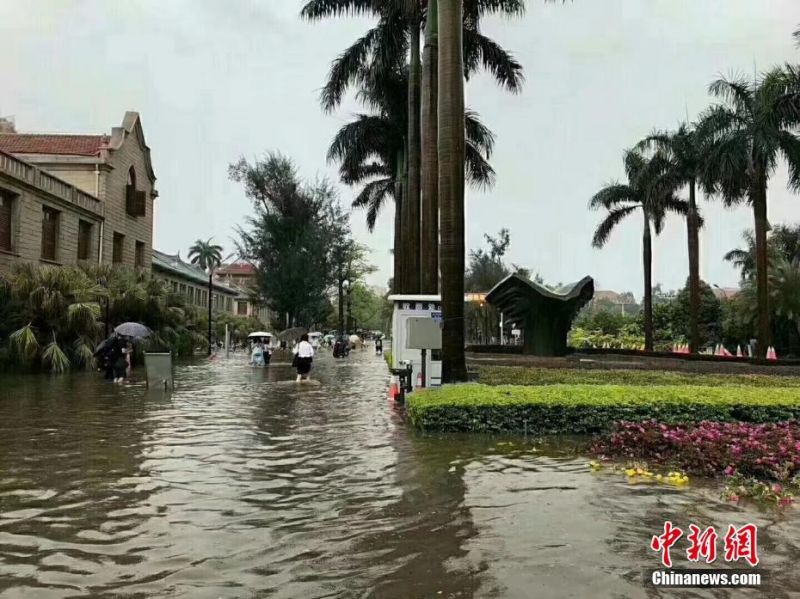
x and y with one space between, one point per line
480 50
477 133
82 352
345 69
372 197
477 170
789 144
24 342
54 357
737 91
320 9
613 195
604 229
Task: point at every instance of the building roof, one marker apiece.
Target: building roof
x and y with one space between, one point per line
237 268
174 265
723 293
70 145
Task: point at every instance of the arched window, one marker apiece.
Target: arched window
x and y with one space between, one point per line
135 201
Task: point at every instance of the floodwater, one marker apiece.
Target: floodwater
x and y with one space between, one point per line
241 484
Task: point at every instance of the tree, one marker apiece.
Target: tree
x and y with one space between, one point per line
385 47
429 197
782 243
709 314
649 191
289 237
486 268
684 151
451 187
746 134
207 256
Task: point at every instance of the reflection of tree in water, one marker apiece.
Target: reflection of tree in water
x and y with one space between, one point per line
422 548
71 458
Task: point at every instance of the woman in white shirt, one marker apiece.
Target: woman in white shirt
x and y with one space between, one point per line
303 356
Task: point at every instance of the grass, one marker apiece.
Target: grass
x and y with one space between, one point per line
514 375
590 408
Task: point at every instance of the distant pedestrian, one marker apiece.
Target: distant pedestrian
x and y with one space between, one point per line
257 355
379 346
303 356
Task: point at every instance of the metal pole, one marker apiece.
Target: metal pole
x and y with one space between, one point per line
501 329
227 341
424 367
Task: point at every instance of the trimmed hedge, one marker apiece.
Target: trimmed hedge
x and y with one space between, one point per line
515 375
592 408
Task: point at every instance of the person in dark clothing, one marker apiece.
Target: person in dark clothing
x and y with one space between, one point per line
379 346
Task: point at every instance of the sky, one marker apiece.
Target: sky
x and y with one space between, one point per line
215 80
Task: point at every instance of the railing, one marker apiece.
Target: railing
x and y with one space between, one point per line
40 179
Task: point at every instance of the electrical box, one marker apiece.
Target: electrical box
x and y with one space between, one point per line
158 368
423 332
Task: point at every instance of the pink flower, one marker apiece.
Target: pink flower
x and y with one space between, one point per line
730 471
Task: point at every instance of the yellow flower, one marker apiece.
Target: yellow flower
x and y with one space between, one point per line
630 472
659 477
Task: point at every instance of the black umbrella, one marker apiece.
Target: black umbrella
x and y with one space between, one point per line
104 345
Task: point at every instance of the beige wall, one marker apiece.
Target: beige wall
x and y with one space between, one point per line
196 294
26 227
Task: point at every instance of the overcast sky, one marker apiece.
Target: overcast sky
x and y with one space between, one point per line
217 79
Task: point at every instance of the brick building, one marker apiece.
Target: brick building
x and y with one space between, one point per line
242 276
71 198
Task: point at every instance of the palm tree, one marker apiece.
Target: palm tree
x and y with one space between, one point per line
429 233
683 149
385 46
755 124
783 244
451 186
649 190
785 289
208 257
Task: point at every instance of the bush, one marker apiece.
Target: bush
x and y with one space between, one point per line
592 408
512 375
770 451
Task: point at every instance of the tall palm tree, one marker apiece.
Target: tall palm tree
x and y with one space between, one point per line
387 44
683 149
429 233
746 134
451 186
208 257
649 190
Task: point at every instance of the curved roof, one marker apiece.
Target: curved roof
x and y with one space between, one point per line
515 296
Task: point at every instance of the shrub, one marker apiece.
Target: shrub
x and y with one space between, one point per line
514 375
770 451
591 408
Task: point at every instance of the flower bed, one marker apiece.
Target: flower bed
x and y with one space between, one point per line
766 451
592 408
514 375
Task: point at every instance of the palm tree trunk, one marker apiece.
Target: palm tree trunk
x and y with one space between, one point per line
412 195
759 202
647 259
429 259
399 227
451 187
694 270
210 295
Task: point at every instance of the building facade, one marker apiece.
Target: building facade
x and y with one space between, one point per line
66 199
242 277
191 282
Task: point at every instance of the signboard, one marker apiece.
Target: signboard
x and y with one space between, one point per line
422 333
516 332
438 318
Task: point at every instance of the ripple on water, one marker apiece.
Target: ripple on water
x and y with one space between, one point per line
241 483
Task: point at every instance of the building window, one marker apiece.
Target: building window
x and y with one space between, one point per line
84 240
49 234
241 308
117 248
139 255
135 201
182 289
6 215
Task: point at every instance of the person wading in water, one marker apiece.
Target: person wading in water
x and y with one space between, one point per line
303 356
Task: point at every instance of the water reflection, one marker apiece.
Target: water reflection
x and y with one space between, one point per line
242 483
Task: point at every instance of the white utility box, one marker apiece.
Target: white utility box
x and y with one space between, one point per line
416 325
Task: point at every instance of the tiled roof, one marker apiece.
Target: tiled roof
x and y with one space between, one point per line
181 269
237 268
71 145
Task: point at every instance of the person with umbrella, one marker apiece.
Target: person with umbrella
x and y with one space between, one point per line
122 349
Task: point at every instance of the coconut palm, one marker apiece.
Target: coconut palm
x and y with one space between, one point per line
649 190
783 243
785 289
208 257
683 149
755 124
451 186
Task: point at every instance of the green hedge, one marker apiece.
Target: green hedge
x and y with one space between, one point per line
591 408
514 375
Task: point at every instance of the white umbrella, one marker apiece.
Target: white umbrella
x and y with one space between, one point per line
132 329
259 334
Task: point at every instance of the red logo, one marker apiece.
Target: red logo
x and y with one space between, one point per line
740 543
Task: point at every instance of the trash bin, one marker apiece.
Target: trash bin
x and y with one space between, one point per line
158 368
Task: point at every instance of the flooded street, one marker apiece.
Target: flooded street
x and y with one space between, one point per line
242 484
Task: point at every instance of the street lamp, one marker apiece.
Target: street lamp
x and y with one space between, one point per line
346 287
